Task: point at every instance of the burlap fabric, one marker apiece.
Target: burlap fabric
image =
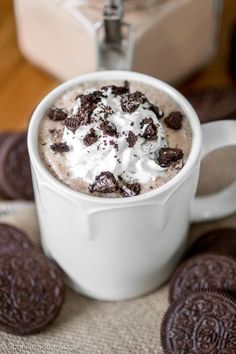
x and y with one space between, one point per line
87 326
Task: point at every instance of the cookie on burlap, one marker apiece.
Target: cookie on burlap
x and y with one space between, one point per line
15 174
200 323
220 241
12 238
205 271
31 291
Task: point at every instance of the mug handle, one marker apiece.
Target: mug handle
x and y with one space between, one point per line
216 135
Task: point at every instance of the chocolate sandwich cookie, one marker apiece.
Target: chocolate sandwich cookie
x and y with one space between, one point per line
232 51
220 241
203 322
15 174
31 291
207 271
12 238
3 137
214 103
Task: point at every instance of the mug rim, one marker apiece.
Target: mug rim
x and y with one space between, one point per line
47 101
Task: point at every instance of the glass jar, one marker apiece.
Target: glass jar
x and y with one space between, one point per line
168 39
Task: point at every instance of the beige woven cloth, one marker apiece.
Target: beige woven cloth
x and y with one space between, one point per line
87 326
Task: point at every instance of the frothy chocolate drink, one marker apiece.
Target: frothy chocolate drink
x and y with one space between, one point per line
114 139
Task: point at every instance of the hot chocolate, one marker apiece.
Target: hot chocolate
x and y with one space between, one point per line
114 139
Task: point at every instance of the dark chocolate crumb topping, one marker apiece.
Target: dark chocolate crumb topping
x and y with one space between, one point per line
57 114
104 183
60 147
116 146
147 120
92 97
130 190
88 104
84 115
116 90
106 111
138 97
90 138
131 101
168 155
72 123
108 128
132 138
174 120
150 132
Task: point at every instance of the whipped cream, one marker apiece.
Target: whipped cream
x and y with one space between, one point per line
134 160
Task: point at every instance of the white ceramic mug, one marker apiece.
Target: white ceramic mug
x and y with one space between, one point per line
119 248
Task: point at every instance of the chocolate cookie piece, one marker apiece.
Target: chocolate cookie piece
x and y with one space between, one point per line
130 189
108 128
60 147
15 174
90 138
57 114
146 121
72 123
131 101
214 103
201 323
89 99
207 271
168 155
220 241
150 132
116 90
131 139
104 183
31 291
12 238
104 111
174 120
88 104
114 144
